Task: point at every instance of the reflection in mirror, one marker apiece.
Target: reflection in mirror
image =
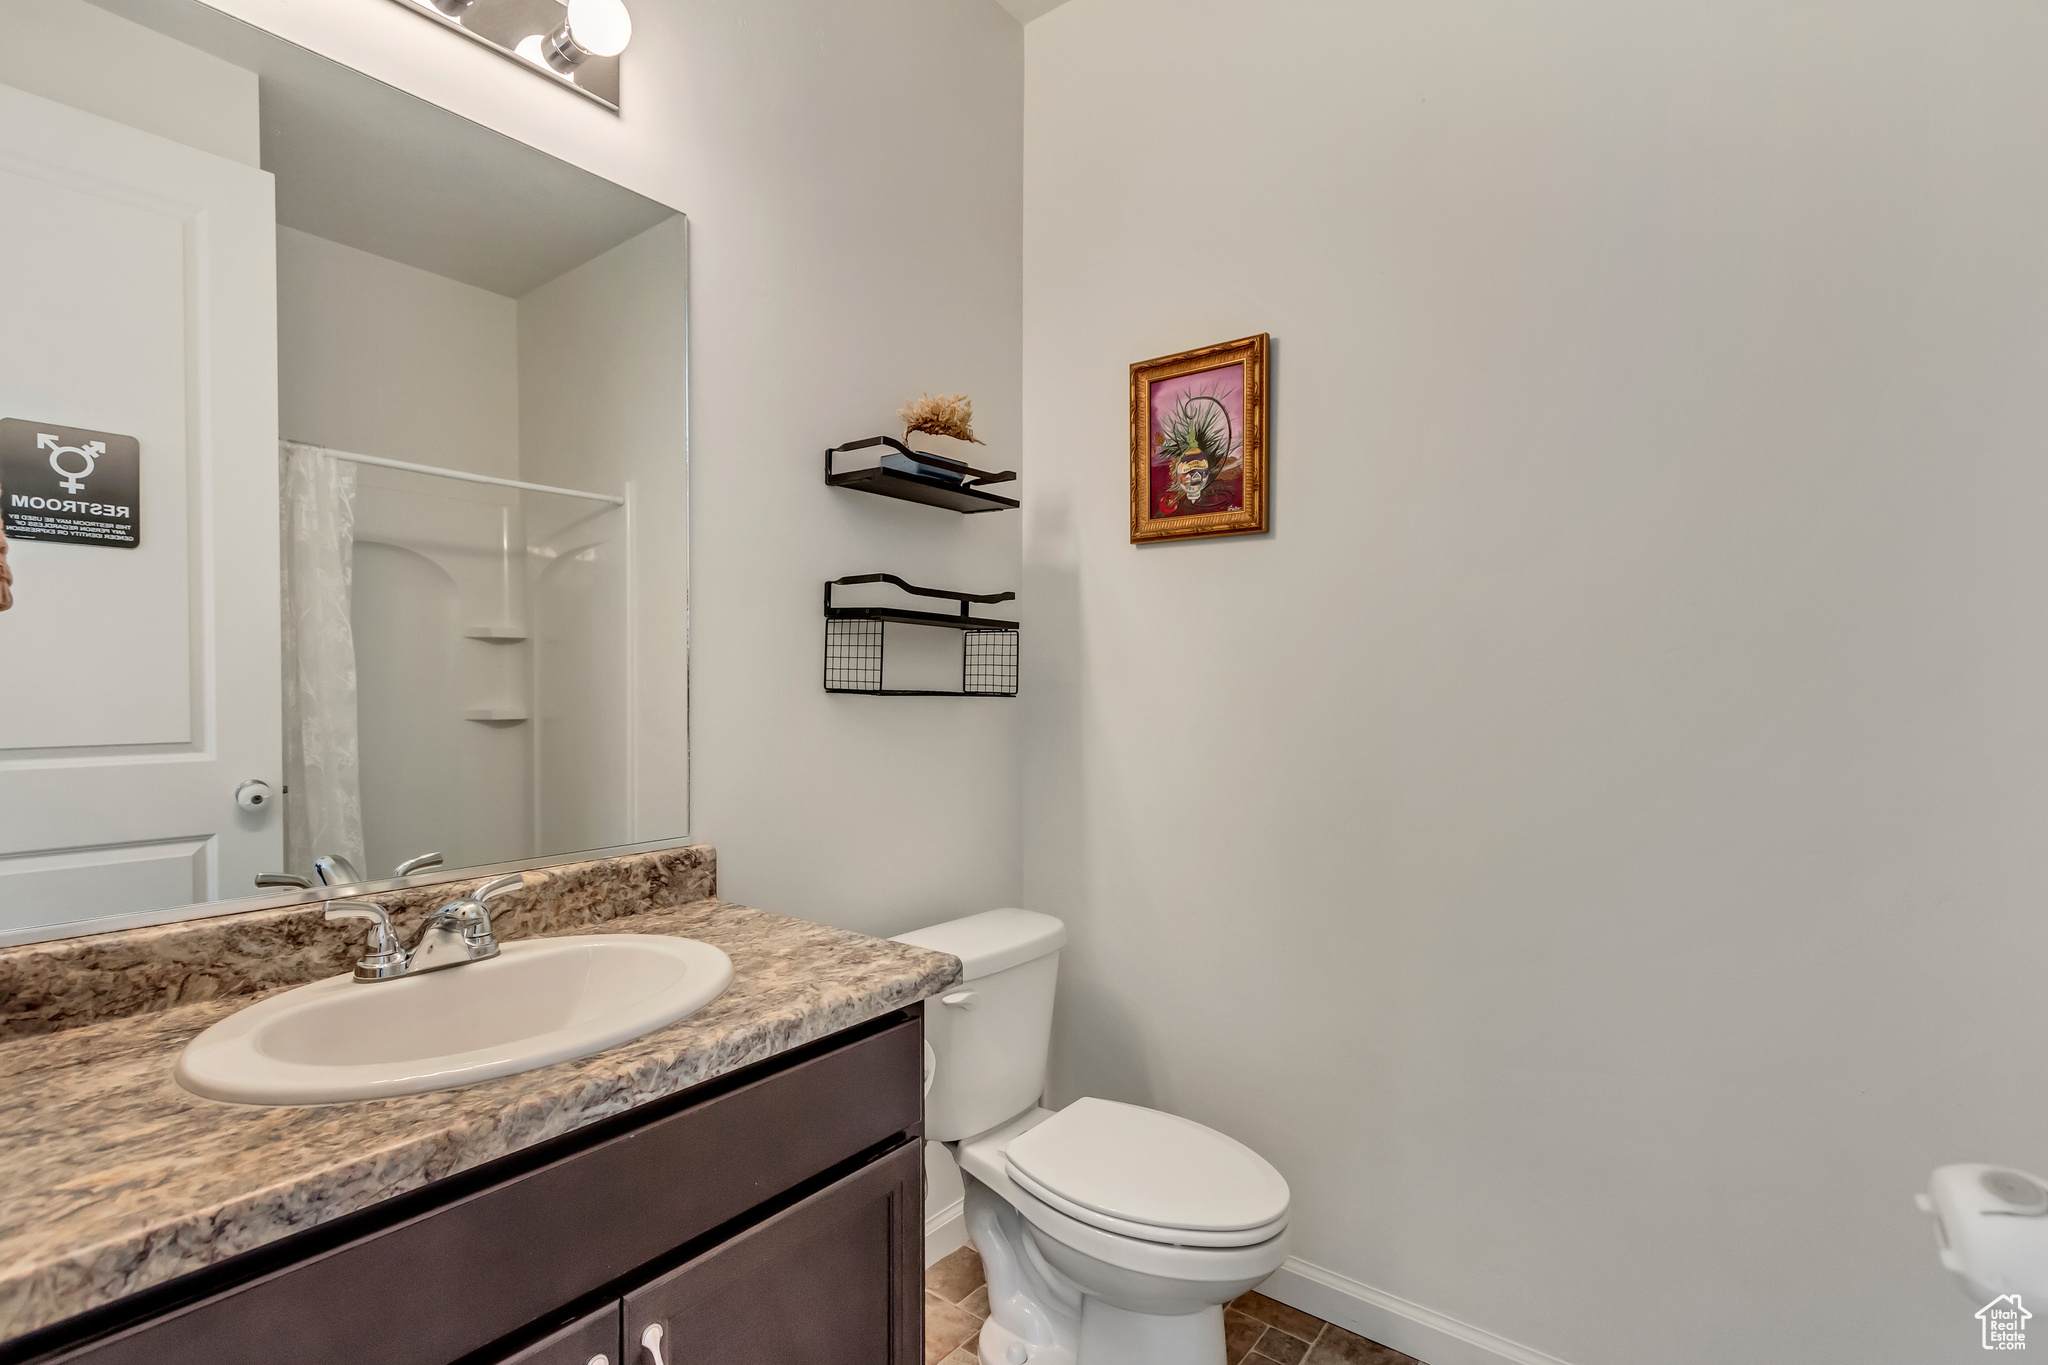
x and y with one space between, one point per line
410 412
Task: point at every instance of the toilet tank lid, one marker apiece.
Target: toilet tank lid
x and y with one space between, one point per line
991 941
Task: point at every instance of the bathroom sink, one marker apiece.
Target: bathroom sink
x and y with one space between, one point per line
538 1002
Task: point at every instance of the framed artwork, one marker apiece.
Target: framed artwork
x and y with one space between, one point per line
1198 443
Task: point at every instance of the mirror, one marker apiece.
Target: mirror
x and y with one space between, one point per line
346 495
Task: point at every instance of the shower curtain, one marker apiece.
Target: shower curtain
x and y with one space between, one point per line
323 807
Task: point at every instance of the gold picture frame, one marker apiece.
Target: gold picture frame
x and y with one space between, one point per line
1198 443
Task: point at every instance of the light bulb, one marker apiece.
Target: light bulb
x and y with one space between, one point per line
594 28
601 28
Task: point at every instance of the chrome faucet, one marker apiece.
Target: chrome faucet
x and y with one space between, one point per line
460 931
453 936
335 870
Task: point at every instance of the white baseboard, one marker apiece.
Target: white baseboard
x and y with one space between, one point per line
945 1232
1391 1320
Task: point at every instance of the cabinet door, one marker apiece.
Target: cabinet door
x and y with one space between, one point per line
587 1341
836 1279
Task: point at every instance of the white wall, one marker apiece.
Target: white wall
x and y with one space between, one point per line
1593 844
852 179
71 51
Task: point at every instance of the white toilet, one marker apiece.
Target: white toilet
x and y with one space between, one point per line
1111 1234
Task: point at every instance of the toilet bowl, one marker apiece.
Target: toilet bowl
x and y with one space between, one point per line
1111 1234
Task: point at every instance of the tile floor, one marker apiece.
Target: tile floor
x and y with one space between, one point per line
1256 1330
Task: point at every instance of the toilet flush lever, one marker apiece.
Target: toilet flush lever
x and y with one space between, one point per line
961 1000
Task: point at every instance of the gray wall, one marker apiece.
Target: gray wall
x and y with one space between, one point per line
386 359
1589 844
71 51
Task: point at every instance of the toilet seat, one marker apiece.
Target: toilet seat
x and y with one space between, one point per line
1147 1232
1156 1177
1145 1256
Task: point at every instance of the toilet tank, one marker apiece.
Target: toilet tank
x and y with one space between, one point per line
990 1032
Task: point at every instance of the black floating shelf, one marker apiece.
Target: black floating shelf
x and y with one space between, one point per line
964 495
856 636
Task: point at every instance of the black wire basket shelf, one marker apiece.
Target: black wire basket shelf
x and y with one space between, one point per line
856 641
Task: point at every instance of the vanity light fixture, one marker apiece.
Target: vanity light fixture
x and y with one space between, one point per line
593 28
572 42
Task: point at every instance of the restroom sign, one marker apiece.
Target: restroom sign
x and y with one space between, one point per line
68 484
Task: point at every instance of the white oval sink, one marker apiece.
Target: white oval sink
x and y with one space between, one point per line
538 1002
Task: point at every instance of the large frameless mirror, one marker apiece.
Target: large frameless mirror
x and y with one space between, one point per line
346 493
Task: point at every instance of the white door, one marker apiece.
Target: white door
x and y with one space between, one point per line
139 686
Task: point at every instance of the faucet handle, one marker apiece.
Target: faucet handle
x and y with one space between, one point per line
498 886
283 879
386 957
419 864
477 930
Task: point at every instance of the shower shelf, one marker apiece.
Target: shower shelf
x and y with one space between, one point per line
855 638
965 496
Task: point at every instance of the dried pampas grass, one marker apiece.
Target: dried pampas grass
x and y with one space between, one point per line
953 416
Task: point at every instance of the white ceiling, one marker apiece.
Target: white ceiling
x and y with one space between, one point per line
371 167
1027 10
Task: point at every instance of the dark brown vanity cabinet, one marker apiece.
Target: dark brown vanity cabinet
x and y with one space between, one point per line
817 1284
774 1215
592 1339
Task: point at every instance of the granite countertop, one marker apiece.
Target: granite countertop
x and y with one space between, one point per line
116 1179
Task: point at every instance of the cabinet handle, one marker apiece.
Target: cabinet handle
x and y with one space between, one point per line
600 1359
650 1341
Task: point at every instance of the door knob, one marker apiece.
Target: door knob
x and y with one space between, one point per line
253 794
